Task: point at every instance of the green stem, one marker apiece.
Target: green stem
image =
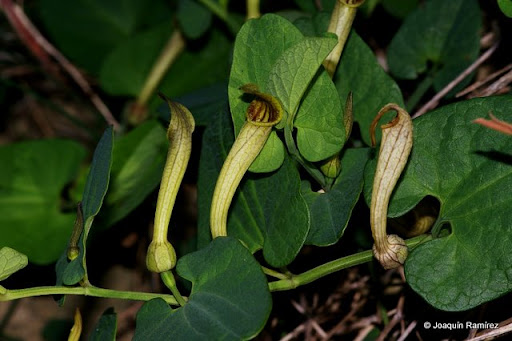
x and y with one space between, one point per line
334 266
170 282
84 291
171 51
253 9
222 13
274 273
419 92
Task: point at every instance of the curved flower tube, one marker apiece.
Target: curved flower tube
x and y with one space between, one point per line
395 148
263 113
161 255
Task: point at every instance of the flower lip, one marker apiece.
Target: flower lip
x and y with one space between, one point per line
352 3
392 123
262 113
265 110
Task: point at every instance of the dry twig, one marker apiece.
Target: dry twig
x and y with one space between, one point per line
294 333
435 100
340 327
44 51
363 333
407 331
486 80
394 321
494 333
498 86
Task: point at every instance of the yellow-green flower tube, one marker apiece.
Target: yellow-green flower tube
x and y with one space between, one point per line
161 255
263 113
396 145
342 17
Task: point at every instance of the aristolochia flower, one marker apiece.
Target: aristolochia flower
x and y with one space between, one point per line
161 255
263 113
395 148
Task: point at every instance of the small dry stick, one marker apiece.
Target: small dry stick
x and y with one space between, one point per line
497 86
435 100
294 333
42 49
363 333
340 326
487 79
394 321
407 331
173 48
494 333
301 309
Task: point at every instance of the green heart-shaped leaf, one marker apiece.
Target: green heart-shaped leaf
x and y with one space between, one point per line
125 68
506 7
280 211
74 26
446 33
271 53
196 68
32 177
194 18
106 328
258 45
319 121
294 69
331 211
372 88
11 261
468 168
229 299
358 72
